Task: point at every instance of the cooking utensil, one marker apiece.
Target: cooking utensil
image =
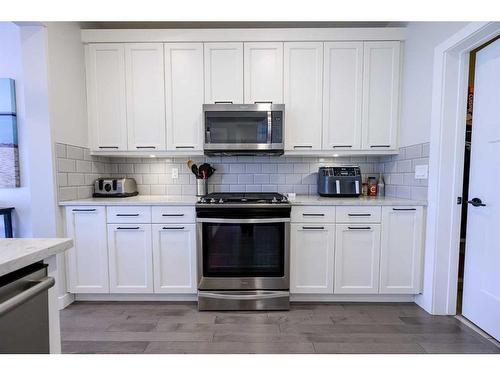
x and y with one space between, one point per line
206 170
193 167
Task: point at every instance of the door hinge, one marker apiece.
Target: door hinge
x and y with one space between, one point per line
459 200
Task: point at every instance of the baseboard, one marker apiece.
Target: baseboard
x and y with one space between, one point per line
293 297
65 300
352 298
136 297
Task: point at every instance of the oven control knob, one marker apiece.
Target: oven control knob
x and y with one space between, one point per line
274 200
203 200
212 200
221 200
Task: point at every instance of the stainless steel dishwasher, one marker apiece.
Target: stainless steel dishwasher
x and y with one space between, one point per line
24 315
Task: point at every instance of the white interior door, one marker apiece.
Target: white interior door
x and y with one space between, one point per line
481 300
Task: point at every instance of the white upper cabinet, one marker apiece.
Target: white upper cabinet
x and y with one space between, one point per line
303 92
223 72
184 95
381 95
342 95
263 72
357 255
87 260
401 253
106 93
174 258
311 258
145 96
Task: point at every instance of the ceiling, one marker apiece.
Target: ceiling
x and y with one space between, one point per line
234 25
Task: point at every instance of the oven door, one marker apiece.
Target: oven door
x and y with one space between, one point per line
243 254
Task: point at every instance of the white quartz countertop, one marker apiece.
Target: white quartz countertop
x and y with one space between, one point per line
138 200
16 253
316 200
185 200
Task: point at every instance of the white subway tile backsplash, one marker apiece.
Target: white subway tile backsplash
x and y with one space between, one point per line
76 179
261 178
413 152
244 179
300 168
269 168
237 168
83 166
285 168
60 150
253 168
65 165
73 152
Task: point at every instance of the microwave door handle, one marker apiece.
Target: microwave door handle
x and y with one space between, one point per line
337 186
269 126
356 183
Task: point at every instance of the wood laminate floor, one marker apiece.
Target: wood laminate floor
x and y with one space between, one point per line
170 327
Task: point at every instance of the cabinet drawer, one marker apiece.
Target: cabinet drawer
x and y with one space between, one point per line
313 214
359 214
173 214
129 214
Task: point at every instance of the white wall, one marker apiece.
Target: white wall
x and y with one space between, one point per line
11 67
422 38
66 66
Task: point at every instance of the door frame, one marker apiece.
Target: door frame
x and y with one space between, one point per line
449 106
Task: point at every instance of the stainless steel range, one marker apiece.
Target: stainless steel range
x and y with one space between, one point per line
243 251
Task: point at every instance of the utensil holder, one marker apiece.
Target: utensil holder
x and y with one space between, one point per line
201 187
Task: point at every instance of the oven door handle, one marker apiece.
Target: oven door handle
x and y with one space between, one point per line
237 296
243 221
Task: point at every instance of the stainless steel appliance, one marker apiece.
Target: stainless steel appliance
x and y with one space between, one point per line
243 251
339 181
244 129
115 187
24 316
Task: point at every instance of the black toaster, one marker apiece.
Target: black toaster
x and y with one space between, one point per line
339 181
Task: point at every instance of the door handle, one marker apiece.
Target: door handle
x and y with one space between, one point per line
37 288
476 202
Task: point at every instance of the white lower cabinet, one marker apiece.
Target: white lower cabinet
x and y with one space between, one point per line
174 258
87 260
357 254
130 258
311 258
401 250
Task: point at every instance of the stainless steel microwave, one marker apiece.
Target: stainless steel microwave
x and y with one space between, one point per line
244 129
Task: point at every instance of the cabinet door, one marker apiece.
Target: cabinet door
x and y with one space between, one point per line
303 91
87 260
130 258
145 96
401 253
311 258
263 72
380 95
184 95
223 72
342 95
357 254
106 94
174 255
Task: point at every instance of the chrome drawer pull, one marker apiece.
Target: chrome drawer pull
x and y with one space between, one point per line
145 147
83 209
313 228
313 214
310 146
404 209
166 228
127 215
122 228
184 146
109 147
385 146
339 146
359 228
355 215
172 214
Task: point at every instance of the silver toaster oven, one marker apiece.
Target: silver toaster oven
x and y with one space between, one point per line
339 181
115 187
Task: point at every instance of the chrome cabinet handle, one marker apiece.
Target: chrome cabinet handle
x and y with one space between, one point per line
380 146
339 146
404 209
263 102
224 102
83 209
123 228
110 147
184 147
356 215
313 228
127 215
167 228
243 296
313 214
172 214
39 287
359 228
305 146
